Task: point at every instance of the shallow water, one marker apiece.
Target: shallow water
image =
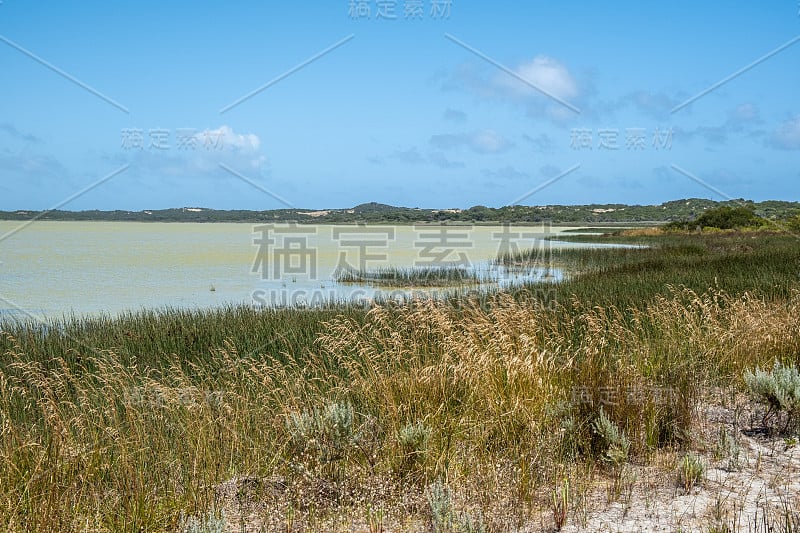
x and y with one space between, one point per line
51 269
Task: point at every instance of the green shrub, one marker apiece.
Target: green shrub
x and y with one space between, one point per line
413 441
441 506
413 438
616 445
444 518
779 389
209 523
326 435
793 224
724 217
729 449
728 218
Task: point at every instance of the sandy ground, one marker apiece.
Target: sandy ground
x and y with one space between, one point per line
754 488
754 495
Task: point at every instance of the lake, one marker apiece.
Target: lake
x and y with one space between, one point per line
51 269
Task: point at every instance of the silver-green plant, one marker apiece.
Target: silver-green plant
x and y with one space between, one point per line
465 522
440 503
208 523
729 449
339 426
570 437
327 434
413 442
691 471
444 518
616 444
413 438
779 389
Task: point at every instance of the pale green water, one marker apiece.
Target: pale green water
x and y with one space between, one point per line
56 268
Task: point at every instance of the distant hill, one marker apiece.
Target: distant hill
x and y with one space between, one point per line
374 207
686 209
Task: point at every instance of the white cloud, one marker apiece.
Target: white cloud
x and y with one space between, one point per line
14 133
202 158
242 149
33 166
546 73
507 172
482 142
787 135
440 160
746 112
554 86
229 138
489 141
413 156
550 171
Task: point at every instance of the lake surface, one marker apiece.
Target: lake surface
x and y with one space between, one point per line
51 269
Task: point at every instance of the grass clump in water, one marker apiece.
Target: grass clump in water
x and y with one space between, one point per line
437 276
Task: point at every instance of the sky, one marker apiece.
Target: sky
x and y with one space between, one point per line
420 103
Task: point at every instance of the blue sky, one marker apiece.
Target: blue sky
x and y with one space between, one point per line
490 103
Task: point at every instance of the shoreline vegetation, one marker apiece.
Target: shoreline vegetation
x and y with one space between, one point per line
618 393
375 213
439 276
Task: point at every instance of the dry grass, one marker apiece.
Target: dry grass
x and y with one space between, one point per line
510 391
641 232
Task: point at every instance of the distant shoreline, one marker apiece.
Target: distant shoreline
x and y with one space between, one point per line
590 214
485 223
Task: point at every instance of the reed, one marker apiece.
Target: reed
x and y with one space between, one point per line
135 422
436 276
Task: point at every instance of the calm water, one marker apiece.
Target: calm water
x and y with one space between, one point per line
57 268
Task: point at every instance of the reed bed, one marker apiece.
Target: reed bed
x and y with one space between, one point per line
131 423
438 276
